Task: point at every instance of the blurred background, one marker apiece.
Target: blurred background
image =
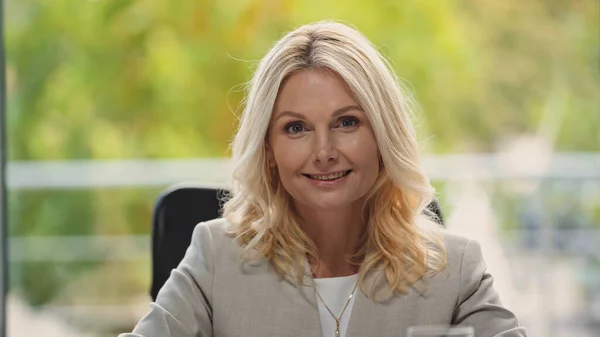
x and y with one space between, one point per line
112 101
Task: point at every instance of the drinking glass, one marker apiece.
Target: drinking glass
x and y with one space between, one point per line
440 331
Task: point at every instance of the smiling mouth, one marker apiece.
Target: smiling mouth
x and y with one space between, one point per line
328 177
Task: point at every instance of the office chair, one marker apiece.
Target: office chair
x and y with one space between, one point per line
177 212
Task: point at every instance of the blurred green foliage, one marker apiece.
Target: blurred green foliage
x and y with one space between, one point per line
161 79
156 78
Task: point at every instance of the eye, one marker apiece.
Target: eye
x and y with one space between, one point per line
294 128
348 122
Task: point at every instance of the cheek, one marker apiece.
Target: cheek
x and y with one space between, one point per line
362 150
289 156
289 164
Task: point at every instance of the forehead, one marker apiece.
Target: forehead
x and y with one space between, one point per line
313 90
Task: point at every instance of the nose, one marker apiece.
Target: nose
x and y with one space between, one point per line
325 151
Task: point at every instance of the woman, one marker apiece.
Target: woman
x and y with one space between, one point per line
326 232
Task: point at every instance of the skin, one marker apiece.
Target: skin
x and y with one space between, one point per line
317 128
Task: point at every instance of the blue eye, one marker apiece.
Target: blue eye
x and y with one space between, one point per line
294 127
348 122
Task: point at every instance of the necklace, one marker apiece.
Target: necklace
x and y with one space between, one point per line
337 319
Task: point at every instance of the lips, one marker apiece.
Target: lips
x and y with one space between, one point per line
329 176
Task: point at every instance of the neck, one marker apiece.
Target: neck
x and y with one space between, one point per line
337 236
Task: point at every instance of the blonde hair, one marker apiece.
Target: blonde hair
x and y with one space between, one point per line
403 241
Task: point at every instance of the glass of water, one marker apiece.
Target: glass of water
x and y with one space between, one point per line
440 331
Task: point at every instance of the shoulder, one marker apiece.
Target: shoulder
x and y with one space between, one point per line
212 227
463 254
464 260
455 247
215 239
214 232
448 284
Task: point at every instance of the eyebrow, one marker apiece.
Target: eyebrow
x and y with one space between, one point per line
335 113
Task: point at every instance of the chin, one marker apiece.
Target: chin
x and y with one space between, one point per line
329 203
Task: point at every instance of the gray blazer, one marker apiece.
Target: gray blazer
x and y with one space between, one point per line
212 293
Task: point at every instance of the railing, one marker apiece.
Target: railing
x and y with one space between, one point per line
155 173
118 173
90 174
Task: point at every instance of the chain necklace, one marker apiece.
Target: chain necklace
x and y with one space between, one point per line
337 319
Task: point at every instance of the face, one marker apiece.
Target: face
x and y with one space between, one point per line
321 143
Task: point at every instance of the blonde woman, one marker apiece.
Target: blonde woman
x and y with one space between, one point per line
326 232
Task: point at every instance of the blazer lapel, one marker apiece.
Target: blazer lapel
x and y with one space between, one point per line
311 314
284 308
391 317
382 318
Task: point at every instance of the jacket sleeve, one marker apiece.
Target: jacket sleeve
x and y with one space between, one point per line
183 306
478 304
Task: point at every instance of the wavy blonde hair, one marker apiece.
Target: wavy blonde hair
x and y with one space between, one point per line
403 241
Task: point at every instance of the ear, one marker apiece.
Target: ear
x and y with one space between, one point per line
270 156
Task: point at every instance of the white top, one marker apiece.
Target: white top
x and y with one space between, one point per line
335 292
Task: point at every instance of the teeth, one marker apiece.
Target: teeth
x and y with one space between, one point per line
332 176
